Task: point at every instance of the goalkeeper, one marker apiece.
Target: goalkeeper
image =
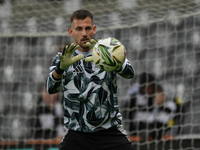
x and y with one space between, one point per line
91 111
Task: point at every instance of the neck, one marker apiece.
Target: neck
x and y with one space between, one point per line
84 49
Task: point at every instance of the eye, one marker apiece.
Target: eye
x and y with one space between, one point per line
88 28
78 28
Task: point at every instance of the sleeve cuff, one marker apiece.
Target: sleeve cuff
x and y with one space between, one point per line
122 67
54 79
58 70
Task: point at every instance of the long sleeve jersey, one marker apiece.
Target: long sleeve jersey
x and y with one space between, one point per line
90 94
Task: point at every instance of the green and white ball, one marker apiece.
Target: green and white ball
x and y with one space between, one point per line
109 54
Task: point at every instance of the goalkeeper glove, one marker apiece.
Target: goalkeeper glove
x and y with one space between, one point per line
66 58
91 45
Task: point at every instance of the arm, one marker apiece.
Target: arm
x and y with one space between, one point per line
59 64
56 75
53 82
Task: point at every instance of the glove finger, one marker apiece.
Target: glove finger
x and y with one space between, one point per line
64 50
88 59
90 45
77 58
61 57
75 47
93 41
67 48
70 47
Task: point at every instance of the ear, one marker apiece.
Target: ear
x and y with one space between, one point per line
70 32
94 28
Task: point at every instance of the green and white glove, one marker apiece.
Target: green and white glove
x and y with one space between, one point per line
66 58
91 45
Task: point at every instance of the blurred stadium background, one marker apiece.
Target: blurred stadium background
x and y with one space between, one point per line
161 37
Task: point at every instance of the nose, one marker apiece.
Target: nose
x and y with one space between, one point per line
84 32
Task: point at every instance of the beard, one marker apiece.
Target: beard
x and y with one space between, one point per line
84 46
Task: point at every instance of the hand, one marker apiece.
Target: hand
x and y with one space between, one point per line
66 58
91 45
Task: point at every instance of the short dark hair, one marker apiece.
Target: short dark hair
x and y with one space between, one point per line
146 78
159 88
81 14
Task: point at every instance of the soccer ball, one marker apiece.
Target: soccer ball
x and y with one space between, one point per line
109 54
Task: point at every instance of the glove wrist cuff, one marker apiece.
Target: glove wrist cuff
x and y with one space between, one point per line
58 70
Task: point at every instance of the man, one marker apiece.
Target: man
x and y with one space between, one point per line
91 110
152 118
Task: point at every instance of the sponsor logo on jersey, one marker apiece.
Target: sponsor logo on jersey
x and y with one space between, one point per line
78 69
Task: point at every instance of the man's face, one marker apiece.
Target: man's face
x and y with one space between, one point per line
82 31
148 89
159 97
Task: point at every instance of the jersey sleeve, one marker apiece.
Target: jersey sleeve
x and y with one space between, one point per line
53 85
126 71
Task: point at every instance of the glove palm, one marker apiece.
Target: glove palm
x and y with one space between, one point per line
66 58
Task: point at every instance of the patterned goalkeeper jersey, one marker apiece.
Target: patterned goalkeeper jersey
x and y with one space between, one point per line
90 94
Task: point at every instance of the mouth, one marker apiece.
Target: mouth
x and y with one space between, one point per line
85 40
